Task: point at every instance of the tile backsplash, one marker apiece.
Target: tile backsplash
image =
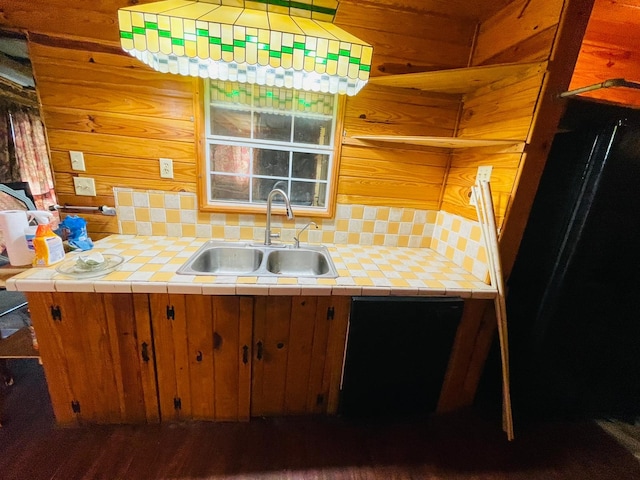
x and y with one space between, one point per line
460 240
176 215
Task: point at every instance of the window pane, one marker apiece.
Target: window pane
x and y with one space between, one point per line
274 98
232 93
312 130
229 187
310 165
262 187
311 102
230 123
272 163
270 126
230 159
310 194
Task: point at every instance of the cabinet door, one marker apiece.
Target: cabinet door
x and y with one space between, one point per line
96 353
202 346
298 348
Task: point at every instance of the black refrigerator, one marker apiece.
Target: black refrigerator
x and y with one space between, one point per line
574 293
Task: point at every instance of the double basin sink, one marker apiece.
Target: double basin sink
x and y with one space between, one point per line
247 259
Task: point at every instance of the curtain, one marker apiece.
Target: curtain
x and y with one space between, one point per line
23 153
9 170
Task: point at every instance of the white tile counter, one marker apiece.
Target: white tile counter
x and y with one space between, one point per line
151 263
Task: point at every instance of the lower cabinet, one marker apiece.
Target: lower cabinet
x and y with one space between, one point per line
298 347
138 358
97 354
229 358
203 359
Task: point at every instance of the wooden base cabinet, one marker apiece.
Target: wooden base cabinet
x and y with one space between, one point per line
298 347
136 358
232 357
203 359
96 350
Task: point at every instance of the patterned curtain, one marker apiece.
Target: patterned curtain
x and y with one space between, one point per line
28 160
9 170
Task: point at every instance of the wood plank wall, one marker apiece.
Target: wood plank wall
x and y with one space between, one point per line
504 109
386 174
404 41
611 49
122 115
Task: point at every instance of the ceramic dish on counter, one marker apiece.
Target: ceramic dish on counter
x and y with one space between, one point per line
78 268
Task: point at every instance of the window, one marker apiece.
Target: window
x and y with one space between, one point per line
259 138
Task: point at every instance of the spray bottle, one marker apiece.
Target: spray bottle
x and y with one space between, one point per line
48 246
41 217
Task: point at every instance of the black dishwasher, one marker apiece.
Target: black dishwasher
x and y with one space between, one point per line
397 353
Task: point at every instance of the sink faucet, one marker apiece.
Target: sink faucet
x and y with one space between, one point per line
296 239
287 205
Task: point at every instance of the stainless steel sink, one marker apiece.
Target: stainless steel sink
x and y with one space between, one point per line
297 263
245 259
225 260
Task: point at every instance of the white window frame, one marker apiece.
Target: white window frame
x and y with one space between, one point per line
332 151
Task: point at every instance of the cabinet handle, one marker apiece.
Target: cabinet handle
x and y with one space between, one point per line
259 354
245 354
199 356
217 341
145 352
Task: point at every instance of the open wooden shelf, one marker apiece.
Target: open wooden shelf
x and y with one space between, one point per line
459 80
18 345
440 142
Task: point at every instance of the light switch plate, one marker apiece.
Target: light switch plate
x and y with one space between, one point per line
77 160
166 168
84 186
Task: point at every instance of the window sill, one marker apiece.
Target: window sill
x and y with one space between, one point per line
276 209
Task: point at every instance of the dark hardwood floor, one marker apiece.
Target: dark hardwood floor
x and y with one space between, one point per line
466 445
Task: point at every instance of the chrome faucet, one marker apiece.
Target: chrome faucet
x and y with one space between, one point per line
296 239
287 205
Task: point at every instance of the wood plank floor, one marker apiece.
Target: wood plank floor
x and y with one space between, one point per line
461 446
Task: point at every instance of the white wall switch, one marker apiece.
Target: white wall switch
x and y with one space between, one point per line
77 160
85 186
483 173
166 168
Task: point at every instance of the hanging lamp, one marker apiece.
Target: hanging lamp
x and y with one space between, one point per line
291 44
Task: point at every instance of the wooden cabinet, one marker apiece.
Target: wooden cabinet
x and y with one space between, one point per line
232 357
96 351
135 358
298 351
202 346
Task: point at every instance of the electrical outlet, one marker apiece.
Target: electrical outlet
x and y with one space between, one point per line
77 160
84 186
483 173
166 168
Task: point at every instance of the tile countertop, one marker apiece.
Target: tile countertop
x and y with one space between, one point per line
151 263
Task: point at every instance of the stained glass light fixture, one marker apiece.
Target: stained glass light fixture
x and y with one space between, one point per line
281 43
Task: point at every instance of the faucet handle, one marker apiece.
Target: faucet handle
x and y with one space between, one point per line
296 239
